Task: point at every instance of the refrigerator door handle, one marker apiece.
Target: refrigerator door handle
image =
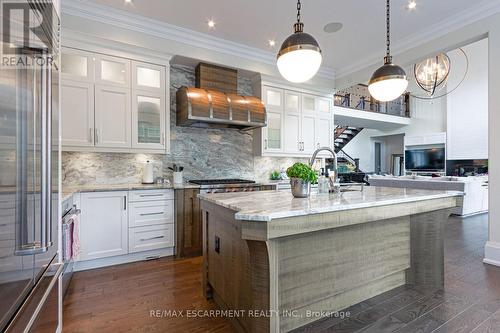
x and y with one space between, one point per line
48 161
25 248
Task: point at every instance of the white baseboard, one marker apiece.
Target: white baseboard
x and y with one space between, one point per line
127 258
492 253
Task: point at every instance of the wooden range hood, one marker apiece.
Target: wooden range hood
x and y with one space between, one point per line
197 107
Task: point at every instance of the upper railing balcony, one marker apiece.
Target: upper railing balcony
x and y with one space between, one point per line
358 98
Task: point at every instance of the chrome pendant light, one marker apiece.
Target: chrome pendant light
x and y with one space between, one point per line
389 81
299 57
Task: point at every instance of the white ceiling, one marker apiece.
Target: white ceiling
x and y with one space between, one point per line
360 42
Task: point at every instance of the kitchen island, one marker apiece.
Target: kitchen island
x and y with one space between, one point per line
282 262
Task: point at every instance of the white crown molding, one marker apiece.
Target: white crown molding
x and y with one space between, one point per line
87 42
434 31
125 20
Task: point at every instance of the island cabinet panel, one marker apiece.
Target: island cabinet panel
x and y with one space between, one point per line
188 223
343 267
289 267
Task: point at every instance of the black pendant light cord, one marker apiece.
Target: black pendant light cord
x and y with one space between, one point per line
388 58
298 11
299 26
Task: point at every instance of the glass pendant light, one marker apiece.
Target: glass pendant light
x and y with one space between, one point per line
299 57
389 81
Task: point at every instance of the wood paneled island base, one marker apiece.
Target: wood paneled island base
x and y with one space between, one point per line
278 274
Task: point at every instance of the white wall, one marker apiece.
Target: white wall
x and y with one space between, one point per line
467 115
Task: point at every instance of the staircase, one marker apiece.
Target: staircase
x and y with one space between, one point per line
343 135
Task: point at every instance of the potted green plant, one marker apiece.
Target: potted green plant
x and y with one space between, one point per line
301 177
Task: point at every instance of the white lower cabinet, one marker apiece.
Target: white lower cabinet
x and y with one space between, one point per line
104 225
116 226
150 237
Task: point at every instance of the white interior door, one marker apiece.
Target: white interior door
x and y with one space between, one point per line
104 226
113 117
77 113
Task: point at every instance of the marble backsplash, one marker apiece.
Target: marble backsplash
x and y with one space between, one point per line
204 153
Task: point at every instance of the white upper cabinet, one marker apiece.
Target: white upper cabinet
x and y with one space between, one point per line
324 130
112 117
148 77
308 133
113 71
148 120
273 132
77 113
149 111
292 101
273 98
113 104
77 65
297 123
292 143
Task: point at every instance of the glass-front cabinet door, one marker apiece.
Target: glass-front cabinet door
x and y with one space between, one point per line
77 65
148 120
148 106
114 71
148 77
273 132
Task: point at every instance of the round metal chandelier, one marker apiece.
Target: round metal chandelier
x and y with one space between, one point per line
299 57
432 74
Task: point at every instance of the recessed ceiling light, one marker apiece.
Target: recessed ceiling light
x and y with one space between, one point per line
211 23
272 42
128 1
332 27
412 4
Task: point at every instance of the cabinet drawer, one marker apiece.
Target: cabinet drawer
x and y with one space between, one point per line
150 195
150 238
150 213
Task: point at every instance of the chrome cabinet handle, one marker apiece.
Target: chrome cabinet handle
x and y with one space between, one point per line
265 144
150 195
124 202
162 139
96 134
146 239
149 214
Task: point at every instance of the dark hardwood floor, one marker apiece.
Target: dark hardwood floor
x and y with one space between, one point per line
120 298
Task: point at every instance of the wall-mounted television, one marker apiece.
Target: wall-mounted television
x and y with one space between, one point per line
430 159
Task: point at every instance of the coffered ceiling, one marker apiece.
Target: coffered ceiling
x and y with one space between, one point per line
360 42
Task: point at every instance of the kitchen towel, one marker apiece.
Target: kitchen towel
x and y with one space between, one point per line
76 250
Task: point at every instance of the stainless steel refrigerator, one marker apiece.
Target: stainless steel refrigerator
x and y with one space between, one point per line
29 165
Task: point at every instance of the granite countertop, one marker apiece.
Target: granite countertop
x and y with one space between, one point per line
67 191
269 205
446 179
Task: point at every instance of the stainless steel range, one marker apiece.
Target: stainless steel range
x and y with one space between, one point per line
226 185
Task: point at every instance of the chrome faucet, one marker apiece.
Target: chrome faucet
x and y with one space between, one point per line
335 167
